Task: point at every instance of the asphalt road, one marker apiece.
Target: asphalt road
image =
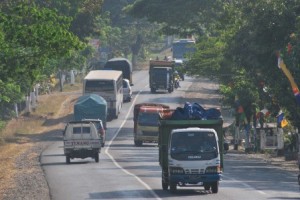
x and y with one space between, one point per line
128 172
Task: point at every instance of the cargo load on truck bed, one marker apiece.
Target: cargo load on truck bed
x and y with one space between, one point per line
190 149
91 106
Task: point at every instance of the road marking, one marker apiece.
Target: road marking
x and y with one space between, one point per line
116 163
245 185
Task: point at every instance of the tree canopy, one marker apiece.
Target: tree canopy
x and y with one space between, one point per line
29 37
237 43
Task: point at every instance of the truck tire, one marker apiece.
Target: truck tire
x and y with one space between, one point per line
138 143
173 187
206 186
68 159
170 90
97 157
164 182
153 90
215 187
164 185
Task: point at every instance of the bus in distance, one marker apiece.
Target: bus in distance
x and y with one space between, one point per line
107 84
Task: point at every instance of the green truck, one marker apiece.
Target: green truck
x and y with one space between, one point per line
191 153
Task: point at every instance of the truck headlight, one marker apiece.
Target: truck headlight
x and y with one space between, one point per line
176 170
213 170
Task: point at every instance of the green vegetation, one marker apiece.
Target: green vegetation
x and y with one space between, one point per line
41 38
237 44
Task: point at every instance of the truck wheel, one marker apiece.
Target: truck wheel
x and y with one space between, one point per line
173 187
164 185
164 182
215 187
97 157
170 90
206 186
138 143
153 90
68 159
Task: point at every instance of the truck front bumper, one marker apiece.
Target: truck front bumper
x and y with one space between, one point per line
81 153
194 178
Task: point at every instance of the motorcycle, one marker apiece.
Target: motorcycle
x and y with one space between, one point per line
176 84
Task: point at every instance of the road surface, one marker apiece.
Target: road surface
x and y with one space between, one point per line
128 172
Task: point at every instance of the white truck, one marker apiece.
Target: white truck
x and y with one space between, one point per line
191 153
81 140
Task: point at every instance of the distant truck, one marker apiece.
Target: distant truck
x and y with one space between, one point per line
191 153
81 140
183 49
121 64
161 75
145 117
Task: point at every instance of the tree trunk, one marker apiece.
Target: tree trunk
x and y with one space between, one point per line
135 48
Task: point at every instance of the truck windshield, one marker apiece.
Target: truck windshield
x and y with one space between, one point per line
193 146
148 119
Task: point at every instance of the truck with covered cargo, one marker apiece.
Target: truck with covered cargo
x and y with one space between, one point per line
190 152
161 75
145 118
93 108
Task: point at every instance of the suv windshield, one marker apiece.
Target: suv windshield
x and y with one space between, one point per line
193 146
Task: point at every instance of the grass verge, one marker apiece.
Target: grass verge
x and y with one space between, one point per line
16 134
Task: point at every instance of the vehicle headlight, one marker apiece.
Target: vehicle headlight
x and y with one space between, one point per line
213 170
176 170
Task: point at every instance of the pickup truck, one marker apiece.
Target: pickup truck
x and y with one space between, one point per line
81 140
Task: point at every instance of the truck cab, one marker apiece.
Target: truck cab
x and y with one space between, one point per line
146 119
194 158
190 153
81 140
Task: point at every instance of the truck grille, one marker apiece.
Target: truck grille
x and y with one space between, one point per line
150 133
194 171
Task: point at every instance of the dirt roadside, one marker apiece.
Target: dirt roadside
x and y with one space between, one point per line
29 181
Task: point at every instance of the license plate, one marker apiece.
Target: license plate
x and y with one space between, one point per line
81 143
194 177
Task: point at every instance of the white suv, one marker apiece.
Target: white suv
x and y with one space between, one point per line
127 91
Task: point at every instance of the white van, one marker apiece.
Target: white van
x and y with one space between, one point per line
127 91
